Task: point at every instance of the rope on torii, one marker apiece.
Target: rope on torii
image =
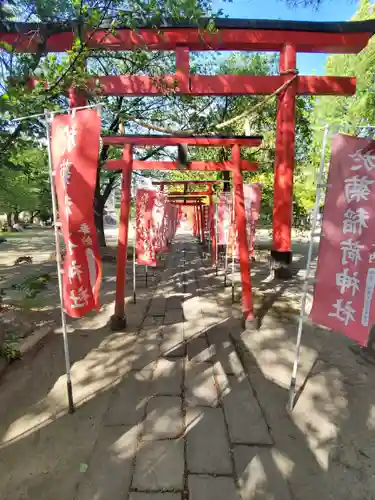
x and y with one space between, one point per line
245 115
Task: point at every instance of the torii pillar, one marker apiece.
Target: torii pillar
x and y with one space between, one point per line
281 252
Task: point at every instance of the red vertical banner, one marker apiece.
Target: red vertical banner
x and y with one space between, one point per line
206 209
345 276
252 197
144 204
158 219
75 153
224 216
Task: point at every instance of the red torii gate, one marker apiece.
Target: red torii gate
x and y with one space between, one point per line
235 165
286 37
198 215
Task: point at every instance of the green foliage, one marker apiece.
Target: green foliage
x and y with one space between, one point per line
10 348
33 285
262 122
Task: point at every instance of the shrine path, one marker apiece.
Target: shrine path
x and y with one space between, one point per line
186 405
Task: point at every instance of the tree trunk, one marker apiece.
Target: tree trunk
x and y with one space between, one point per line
16 217
226 179
33 215
99 221
9 219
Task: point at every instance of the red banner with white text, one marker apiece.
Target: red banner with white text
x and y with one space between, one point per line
345 276
144 241
75 151
224 217
252 197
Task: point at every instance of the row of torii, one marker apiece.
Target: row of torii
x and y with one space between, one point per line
284 37
236 165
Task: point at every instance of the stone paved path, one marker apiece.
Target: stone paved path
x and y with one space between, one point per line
185 405
184 423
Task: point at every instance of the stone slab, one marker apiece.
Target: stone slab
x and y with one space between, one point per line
246 423
173 316
207 443
201 388
167 377
212 488
172 344
259 474
198 349
164 418
128 405
155 496
110 468
159 465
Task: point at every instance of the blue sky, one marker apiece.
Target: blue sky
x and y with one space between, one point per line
332 10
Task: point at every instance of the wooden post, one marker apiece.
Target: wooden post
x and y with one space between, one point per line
211 216
201 215
284 165
118 320
195 223
239 203
76 98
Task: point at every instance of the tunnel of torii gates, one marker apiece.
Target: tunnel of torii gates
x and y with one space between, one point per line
284 37
236 166
194 199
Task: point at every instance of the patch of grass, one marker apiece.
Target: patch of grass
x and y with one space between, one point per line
33 285
12 234
10 349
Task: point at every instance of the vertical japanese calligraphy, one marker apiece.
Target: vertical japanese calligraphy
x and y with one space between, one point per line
345 277
75 151
155 225
252 197
144 242
224 217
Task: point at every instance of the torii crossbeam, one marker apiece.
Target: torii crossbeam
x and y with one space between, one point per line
128 142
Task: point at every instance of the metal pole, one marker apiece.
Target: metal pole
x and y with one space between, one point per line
134 263
233 245
59 271
226 258
217 236
292 388
146 276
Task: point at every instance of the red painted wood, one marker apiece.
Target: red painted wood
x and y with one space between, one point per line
264 85
168 140
195 222
284 159
202 223
194 39
247 298
211 225
207 181
326 85
123 232
185 203
219 85
76 98
192 193
183 69
194 165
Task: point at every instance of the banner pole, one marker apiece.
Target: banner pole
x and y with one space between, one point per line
234 232
71 408
226 258
134 263
217 236
292 387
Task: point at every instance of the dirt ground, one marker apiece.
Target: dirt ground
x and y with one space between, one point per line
141 423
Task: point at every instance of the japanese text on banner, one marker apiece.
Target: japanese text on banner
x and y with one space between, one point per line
346 262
